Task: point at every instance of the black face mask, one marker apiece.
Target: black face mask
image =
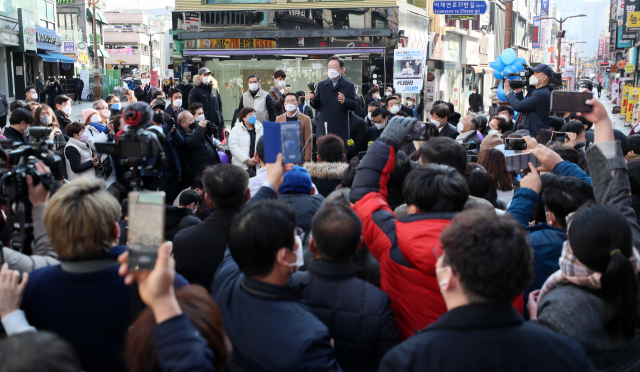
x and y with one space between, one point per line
193 125
158 117
494 104
301 100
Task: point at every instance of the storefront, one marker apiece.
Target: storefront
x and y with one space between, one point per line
18 61
9 39
470 59
364 37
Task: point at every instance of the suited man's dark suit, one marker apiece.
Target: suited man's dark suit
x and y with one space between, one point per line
449 131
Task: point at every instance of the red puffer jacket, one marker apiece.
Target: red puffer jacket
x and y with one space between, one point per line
407 248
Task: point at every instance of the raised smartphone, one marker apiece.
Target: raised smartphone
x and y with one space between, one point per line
291 142
517 162
418 132
145 230
558 137
515 144
570 101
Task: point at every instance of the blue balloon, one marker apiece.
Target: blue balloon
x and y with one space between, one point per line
510 70
497 74
508 56
518 62
500 93
497 65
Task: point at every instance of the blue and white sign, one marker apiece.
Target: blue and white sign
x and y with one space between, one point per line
460 7
544 8
69 47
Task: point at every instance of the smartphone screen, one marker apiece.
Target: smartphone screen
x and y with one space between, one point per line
291 146
472 158
558 137
521 161
145 228
515 144
418 132
570 101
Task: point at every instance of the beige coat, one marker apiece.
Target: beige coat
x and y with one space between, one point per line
306 133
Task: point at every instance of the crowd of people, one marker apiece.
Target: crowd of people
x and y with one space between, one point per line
398 256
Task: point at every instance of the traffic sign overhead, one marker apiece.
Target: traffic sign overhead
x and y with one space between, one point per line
460 7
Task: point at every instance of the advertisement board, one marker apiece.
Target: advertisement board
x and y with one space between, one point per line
408 70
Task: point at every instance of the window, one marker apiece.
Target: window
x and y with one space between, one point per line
67 21
50 11
42 9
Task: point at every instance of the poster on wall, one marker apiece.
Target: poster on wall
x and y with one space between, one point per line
84 76
631 102
614 92
430 90
408 70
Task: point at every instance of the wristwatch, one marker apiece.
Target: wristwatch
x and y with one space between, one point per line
269 185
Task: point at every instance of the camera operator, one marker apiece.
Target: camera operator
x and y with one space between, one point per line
43 254
534 109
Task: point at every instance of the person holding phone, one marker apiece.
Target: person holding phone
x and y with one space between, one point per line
145 91
333 99
533 109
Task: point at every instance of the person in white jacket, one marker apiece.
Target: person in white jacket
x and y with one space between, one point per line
99 132
243 139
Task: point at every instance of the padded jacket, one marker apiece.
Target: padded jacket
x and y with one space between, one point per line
209 97
198 151
358 315
535 109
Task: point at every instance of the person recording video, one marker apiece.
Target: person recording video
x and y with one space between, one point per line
533 109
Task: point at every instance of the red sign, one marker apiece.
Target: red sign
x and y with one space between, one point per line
601 48
154 78
621 64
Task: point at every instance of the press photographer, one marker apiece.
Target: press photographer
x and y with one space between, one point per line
533 109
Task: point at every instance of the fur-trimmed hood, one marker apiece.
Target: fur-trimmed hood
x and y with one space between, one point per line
197 81
326 171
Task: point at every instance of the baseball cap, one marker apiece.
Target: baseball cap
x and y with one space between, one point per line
545 69
158 102
296 180
411 97
203 71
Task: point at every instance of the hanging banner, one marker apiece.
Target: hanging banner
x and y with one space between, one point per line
84 76
631 102
154 78
430 90
537 25
408 70
544 8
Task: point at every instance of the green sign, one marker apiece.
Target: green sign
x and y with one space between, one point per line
65 1
462 17
27 31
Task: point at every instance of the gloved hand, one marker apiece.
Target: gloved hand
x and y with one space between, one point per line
398 128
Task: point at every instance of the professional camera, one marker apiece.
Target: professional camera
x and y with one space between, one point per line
471 148
17 161
140 146
554 82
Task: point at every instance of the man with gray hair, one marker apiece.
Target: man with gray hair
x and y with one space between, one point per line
468 127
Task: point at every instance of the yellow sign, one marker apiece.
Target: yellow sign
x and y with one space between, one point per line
625 99
633 19
630 67
631 102
235 44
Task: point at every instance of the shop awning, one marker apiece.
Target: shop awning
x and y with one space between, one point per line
101 51
99 18
482 68
61 58
48 57
216 53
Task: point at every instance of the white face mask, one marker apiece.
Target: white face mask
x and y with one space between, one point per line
106 113
26 132
387 94
299 255
95 119
394 109
282 83
144 81
409 103
370 118
380 126
377 96
177 102
533 81
254 86
333 74
460 127
67 110
290 107
199 118
34 96
206 79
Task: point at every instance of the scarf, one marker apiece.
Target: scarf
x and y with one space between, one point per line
101 128
574 271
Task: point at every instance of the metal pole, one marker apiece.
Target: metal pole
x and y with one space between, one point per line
559 45
97 87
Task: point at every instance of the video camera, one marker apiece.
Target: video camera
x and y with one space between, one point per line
471 148
554 82
138 147
17 161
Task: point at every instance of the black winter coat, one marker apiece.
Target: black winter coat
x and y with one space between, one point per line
305 207
329 110
173 217
209 97
198 151
358 315
199 250
475 102
142 95
449 131
78 85
14 135
63 121
358 128
486 337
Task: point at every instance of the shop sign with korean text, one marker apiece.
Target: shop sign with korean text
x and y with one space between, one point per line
460 7
408 70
